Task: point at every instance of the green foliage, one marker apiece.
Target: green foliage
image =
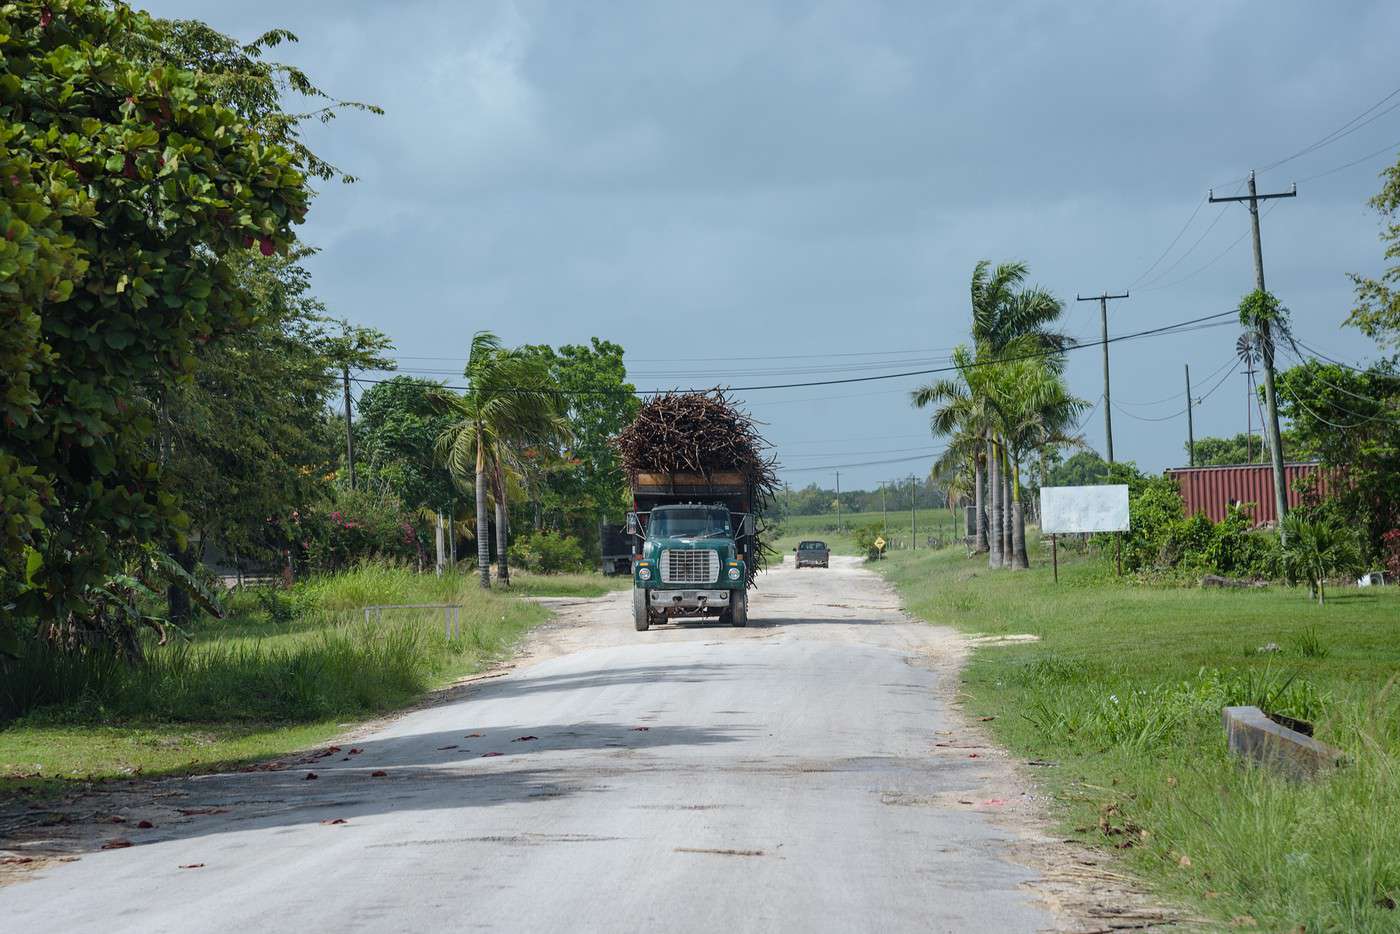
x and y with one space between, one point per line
865 537
1316 549
1163 539
128 181
582 484
547 552
293 656
1351 421
1084 468
353 527
1377 311
1242 449
248 437
397 429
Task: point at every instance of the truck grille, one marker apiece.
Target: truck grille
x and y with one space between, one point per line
700 566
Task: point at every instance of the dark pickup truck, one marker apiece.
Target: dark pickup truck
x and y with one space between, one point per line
813 554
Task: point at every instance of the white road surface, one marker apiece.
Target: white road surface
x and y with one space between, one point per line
793 776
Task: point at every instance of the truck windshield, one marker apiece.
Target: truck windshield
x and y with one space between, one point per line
699 522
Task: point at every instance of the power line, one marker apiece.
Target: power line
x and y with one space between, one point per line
1217 258
1177 395
830 467
1347 165
1177 327
1143 275
1343 131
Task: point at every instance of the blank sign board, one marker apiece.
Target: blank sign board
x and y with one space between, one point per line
1065 509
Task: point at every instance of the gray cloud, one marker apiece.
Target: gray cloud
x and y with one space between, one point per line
694 180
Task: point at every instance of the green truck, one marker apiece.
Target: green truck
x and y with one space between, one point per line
696 547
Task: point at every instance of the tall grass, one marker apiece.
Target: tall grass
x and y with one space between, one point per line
1124 692
296 656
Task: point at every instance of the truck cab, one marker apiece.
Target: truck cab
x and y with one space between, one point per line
691 563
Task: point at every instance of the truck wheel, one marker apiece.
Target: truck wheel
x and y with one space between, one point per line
641 616
739 609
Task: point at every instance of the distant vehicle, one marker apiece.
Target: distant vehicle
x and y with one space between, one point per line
813 554
616 547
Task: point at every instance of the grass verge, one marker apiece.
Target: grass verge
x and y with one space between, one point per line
1123 694
284 671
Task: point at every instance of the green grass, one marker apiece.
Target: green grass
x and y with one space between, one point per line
935 523
1123 692
283 671
591 584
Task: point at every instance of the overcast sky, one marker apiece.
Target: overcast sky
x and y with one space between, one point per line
802 189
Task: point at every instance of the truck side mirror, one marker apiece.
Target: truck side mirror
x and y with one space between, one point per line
748 525
634 525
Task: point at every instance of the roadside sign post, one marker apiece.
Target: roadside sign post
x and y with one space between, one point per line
1083 509
879 544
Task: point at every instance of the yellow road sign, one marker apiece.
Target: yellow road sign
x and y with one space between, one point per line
880 543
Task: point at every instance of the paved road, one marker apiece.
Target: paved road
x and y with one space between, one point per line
779 778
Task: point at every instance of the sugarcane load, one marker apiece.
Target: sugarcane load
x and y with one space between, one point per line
701 480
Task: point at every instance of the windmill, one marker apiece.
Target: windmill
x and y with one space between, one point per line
1248 352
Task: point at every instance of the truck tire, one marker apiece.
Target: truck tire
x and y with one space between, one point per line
739 609
641 616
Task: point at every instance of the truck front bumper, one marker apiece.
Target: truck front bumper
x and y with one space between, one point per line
688 599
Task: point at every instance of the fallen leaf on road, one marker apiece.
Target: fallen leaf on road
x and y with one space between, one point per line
16 860
116 819
310 776
487 755
471 736
117 844
985 719
191 812
145 825
441 748
378 773
523 739
973 755
961 801
192 866
332 821
640 729
356 752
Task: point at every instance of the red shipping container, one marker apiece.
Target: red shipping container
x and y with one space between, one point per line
1212 490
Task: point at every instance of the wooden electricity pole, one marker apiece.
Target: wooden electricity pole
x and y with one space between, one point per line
1190 426
1107 397
349 431
1266 347
838 501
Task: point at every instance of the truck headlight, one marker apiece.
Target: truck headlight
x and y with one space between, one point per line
733 574
644 574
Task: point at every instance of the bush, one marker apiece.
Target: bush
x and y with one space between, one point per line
865 539
547 552
354 527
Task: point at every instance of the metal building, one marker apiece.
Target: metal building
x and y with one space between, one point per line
1212 490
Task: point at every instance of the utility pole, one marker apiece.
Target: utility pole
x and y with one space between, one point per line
349 435
914 512
1107 397
884 516
1266 342
1190 426
838 501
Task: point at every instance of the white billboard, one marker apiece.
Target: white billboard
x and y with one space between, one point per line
1065 509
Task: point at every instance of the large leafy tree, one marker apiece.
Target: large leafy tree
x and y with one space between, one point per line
510 404
247 438
586 482
397 430
1351 420
1377 311
131 180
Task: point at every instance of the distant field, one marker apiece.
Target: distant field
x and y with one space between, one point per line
936 523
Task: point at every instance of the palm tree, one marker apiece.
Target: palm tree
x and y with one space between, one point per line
962 413
510 400
1034 409
1006 315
